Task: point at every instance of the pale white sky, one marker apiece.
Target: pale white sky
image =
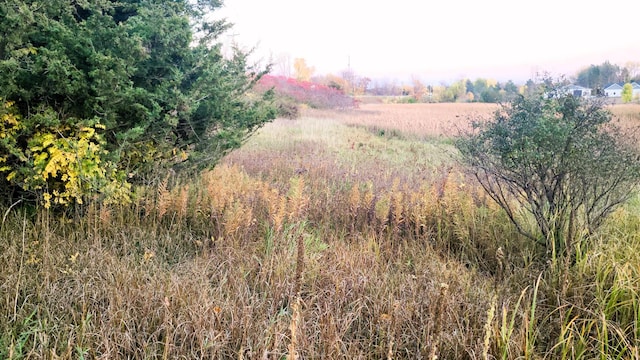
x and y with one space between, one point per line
439 40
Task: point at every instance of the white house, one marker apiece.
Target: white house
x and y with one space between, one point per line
613 90
576 90
636 89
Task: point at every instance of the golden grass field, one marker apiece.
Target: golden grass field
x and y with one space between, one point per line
440 119
424 120
339 235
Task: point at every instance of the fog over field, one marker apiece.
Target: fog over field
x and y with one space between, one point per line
437 41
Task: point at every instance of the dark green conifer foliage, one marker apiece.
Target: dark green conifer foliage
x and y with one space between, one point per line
148 76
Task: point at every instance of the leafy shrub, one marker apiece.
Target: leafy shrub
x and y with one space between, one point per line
287 108
92 91
304 92
66 161
559 157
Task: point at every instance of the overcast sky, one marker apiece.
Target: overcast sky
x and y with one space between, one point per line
439 40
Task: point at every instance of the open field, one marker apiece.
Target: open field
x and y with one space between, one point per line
629 114
422 120
340 235
437 120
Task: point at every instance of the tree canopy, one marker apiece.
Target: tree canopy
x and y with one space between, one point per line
600 76
627 93
103 92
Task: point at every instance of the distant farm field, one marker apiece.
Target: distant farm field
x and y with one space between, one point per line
437 120
629 114
422 120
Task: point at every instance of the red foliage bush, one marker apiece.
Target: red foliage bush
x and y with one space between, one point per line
304 92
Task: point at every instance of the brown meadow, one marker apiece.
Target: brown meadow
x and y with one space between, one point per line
341 235
439 119
423 120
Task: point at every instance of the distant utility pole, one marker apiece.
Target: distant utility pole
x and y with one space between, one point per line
232 44
233 37
349 76
535 74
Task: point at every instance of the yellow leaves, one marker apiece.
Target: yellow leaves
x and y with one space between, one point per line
69 164
47 200
40 158
117 192
58 160
63 159
25 51
303 72
9 127
87 132
11 174
42 141
3 159
9 121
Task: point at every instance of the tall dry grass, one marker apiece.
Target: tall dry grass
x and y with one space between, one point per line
627 112
217 286
307 244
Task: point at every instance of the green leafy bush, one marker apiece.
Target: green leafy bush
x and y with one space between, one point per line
99 94
558 157
63 161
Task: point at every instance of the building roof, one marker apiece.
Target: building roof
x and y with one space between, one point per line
576 87
616 86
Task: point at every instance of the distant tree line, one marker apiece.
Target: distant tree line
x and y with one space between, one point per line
488 91
464 90
598 77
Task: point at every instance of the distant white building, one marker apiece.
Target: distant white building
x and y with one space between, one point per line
615 90
576 91
636 89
